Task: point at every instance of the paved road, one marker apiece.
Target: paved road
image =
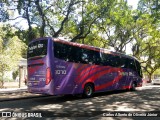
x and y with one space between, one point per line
143 100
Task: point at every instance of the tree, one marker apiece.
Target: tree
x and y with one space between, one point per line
11 49
48 16
151 7
147 47
151 62
4 15
117 26
83 25
51 18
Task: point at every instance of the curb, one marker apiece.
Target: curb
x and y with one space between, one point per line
9 91
21 98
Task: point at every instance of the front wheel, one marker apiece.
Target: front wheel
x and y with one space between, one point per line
88 90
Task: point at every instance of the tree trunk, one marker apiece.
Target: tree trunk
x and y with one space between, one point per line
2 81
150 77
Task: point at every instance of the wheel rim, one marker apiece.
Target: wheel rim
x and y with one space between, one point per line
88 90
133 86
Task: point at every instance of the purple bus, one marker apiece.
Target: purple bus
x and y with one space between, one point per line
58 67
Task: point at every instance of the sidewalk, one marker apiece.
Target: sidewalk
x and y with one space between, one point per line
10 94
13 90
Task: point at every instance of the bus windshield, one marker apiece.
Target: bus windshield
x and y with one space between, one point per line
37 49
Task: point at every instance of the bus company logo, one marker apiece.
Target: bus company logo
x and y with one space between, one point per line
40 45
60 66
35 47
6 114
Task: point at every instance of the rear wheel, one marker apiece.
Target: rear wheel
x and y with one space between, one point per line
133 88
88 90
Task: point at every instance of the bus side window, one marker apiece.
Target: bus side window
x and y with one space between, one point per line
138 68
116 61
85 57
61 51
107 59
56 49
90 57
74 55
130 64
96 58
121 62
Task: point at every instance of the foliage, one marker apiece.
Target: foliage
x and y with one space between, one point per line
15 74
54 18
11 48
101 23
146 47
151 7
117 26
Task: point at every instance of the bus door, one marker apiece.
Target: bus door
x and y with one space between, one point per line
120 72
130 68
119 80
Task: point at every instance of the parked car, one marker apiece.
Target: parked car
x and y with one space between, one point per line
156 81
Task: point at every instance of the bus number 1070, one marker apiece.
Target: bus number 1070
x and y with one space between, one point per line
58 72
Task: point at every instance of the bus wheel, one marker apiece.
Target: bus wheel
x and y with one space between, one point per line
133 88
88 90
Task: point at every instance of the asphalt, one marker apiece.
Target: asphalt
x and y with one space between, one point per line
10 94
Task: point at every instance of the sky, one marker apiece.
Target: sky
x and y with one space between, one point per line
133 3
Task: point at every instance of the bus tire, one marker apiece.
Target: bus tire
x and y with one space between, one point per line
133 87
88 90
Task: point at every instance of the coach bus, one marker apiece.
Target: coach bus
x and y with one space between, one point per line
59 67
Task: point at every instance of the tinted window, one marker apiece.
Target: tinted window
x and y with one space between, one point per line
37 48
138 68
61 51
85 56
113 60
90 57
130 64
76 54
107 59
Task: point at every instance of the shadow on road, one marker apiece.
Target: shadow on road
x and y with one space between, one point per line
142 100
